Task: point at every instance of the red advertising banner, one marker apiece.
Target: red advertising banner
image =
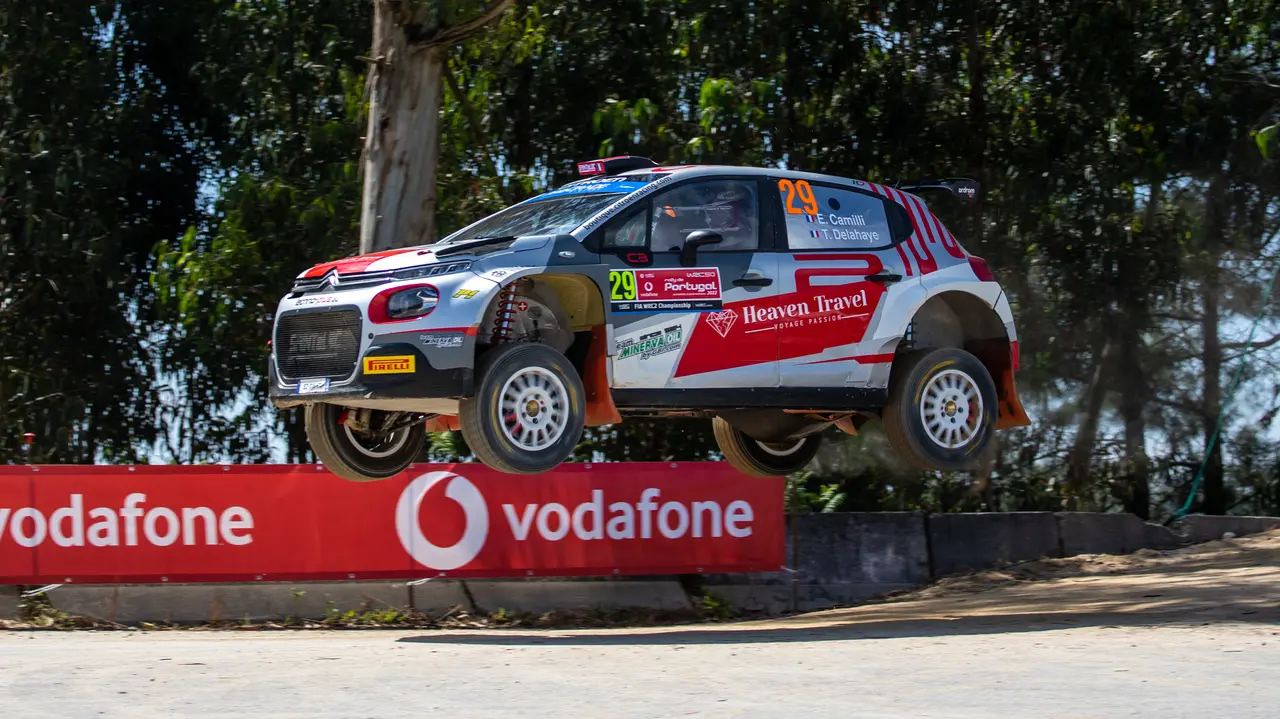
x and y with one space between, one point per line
78 524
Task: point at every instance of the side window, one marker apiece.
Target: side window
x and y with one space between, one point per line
729 207
820 217
628 230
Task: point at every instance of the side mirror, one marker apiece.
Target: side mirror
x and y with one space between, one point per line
696 239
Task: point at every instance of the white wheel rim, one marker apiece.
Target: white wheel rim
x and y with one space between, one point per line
384 448
781 450
951 409
533 409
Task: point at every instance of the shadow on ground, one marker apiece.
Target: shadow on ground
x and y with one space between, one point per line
838 631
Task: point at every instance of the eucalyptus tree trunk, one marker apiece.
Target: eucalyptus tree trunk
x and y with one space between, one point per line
1080 456
1211 355
402 140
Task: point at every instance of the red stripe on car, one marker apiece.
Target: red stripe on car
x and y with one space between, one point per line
354 264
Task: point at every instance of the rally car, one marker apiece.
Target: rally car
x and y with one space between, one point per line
775 303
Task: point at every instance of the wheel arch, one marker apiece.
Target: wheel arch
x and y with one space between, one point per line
581 300
965 321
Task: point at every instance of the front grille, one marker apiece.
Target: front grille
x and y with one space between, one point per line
348 281
318 344
354 280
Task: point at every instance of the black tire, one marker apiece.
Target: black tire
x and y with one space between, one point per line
485 427
344 453
763 459
952 379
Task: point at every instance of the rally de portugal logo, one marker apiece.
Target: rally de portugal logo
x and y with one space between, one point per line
408 527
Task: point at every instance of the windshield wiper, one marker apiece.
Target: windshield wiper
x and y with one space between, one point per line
454 248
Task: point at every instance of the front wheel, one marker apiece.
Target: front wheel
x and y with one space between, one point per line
362 445
941 410
764 459
528 411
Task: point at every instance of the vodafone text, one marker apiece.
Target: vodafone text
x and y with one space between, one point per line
672 520
132 523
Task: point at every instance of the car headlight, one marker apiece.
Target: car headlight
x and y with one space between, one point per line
403 303
414 273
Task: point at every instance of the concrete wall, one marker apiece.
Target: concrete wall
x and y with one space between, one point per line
8 603
1093 533
967 542
877 553
542 595
187 603
832 560
1200 528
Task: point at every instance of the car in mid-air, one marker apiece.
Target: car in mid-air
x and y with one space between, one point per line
775 303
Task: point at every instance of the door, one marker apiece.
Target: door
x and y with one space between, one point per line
686 320
841 259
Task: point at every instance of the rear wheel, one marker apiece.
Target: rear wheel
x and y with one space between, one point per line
941 410
363 445
528 411
764 459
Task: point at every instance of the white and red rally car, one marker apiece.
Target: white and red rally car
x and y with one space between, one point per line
776 303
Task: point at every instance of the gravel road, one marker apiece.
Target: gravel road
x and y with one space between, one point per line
1189 635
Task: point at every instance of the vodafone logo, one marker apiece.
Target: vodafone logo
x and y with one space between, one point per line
554 522
459 489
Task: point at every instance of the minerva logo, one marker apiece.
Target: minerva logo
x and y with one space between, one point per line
591 520
668 339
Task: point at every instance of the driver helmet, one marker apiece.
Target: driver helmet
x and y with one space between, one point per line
729 210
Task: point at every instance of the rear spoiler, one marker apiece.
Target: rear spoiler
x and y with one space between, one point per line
960 187
614 165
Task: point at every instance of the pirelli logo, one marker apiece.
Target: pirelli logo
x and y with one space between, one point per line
400 364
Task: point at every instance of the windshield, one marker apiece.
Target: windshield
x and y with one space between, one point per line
559 211
539 217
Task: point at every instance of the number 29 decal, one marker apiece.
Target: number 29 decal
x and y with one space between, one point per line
694 289
622 286
800 187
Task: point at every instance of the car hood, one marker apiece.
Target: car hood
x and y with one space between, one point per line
404 258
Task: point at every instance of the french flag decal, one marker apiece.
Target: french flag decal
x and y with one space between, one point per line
814 233
810 218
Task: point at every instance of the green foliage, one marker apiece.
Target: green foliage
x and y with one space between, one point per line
1267 138
825 499
713 608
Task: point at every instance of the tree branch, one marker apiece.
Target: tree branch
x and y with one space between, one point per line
467 28
469 110
1178 405
1251 345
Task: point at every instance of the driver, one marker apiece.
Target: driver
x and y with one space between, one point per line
730 213
726 208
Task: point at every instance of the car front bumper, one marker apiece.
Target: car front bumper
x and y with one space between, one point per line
385 378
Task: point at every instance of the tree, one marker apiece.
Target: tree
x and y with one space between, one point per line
98 158
402 139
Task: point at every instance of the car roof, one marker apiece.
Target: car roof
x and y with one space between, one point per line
684 171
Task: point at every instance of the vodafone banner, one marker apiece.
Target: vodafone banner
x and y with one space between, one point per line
76 524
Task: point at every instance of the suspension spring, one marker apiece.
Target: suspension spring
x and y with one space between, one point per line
506 314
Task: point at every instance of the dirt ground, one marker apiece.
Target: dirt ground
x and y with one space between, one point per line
1187 633
1235 579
